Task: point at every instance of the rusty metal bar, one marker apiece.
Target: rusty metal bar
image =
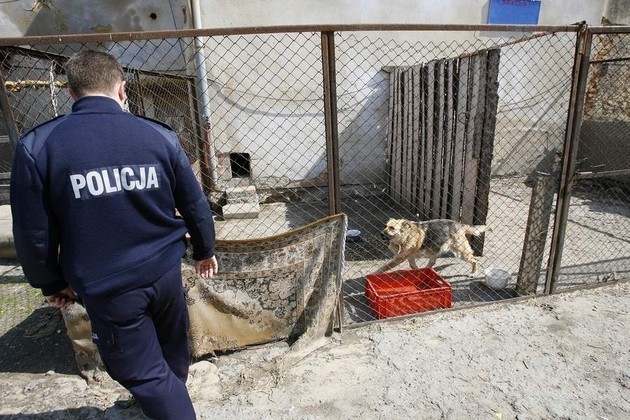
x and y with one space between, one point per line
195 117
332 138
192 33
569 155
537 35
591 175
330 116
609 29
611 60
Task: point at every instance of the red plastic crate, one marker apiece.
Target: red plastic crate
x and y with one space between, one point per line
407 292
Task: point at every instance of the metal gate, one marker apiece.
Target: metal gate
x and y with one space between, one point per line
592 233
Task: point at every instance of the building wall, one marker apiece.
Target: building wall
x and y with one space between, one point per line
38 17
521 142
234 13
617 12
47 17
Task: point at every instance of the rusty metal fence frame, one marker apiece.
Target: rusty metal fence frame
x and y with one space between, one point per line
563 181
570 174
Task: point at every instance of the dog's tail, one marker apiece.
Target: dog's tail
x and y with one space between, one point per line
477 230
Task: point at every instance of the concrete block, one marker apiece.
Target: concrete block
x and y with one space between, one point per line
241 210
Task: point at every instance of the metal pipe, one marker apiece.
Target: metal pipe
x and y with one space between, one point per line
610 29
569 155
602 174
332 137
192 33
208 150
330 116
611 60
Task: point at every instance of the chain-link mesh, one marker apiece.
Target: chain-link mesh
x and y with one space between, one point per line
534 81
467 130
268 125
597 242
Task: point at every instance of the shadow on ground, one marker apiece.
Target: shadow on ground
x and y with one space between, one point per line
38 344
111 413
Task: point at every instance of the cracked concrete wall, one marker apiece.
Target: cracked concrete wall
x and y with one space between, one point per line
48 17
617 12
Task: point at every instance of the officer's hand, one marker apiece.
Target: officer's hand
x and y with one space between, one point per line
61 299
207 268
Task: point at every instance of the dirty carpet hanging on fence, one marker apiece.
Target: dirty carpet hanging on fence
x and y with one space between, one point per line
267 289
274 288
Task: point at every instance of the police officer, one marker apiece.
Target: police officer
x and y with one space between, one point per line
94 196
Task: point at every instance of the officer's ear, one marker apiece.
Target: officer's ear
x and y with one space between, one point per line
121 91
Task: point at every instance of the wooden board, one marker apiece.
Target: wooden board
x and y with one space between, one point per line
486 150
461 122
429 137
449 114
438 143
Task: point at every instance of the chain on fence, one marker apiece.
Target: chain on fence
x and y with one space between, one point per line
470 130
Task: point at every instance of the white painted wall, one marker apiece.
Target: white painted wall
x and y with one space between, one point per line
539 80
39 17
234 13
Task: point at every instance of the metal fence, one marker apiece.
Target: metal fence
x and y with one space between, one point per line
287 125
594 248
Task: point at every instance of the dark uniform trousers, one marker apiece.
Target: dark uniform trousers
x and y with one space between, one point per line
142 338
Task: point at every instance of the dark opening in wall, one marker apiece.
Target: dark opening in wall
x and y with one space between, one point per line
240 165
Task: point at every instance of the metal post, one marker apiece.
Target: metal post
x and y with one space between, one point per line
569 154
204 98
332 138
330 116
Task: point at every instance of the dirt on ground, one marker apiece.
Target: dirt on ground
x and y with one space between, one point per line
565 356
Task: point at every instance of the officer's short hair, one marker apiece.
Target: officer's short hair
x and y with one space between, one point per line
93 72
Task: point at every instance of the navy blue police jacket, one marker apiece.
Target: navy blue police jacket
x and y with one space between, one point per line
94 196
